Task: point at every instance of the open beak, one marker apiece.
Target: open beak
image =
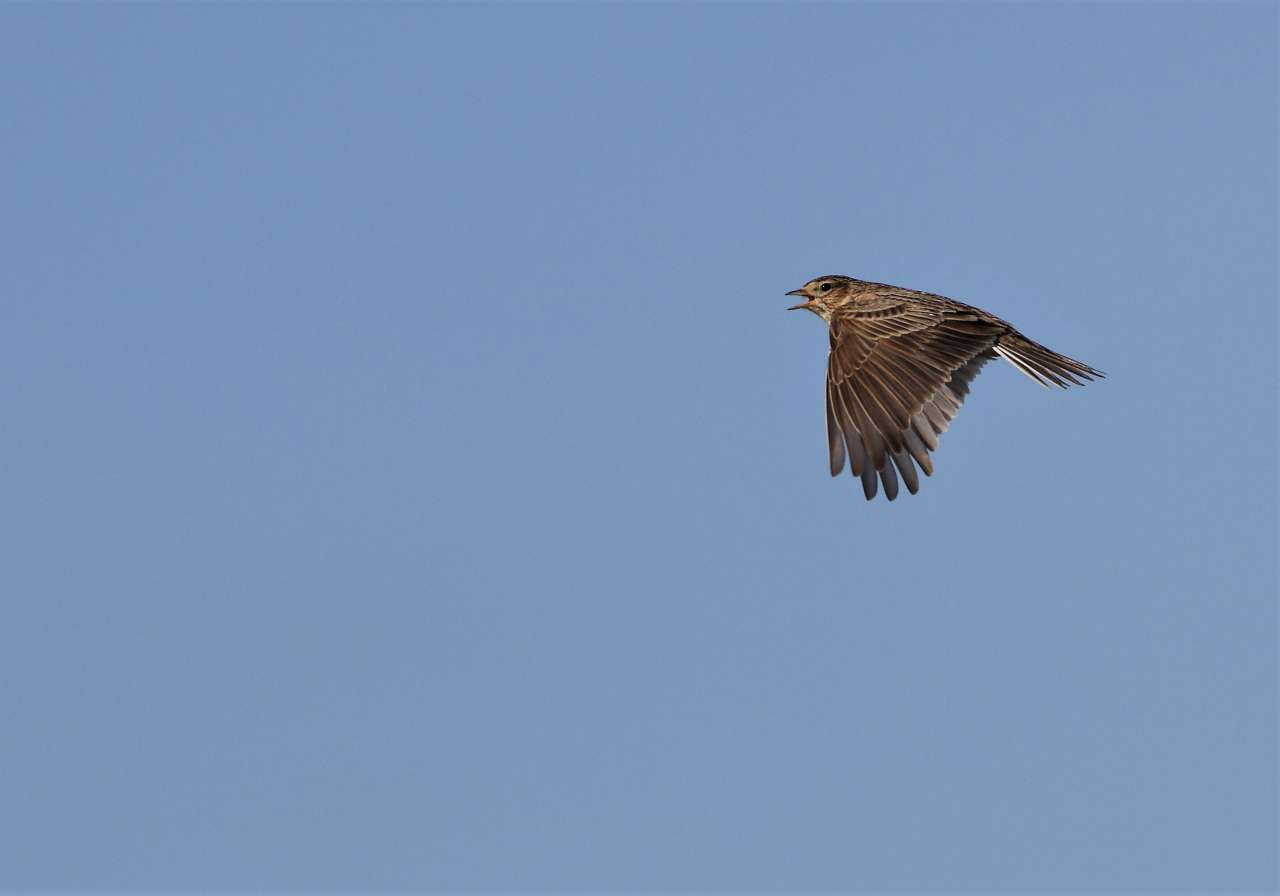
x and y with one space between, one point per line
799 292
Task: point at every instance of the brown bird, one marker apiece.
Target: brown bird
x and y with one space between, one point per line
900 366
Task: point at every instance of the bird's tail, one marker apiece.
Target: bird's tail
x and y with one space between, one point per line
1045 366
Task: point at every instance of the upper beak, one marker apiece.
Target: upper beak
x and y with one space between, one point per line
798 292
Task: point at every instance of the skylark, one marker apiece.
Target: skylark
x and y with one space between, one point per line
900 366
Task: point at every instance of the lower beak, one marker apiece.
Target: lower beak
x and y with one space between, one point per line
798 292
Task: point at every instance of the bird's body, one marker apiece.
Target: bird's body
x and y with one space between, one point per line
900 366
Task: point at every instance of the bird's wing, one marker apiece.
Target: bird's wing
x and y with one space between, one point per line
898 371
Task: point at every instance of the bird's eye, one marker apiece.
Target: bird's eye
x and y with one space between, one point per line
826 287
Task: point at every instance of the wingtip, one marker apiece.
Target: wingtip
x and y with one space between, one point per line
870 481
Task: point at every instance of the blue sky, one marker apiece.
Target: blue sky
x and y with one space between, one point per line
413 480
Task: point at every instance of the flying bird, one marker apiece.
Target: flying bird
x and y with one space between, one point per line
900 366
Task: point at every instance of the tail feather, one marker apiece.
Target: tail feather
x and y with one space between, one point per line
1045 366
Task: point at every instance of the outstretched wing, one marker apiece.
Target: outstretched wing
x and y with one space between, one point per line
899 369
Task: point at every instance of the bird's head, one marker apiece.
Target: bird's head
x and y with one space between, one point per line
822 294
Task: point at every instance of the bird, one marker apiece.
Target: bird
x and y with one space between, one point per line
900 366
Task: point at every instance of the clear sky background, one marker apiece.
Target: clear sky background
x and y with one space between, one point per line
412 479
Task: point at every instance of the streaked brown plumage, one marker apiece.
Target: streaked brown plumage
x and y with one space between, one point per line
900 366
